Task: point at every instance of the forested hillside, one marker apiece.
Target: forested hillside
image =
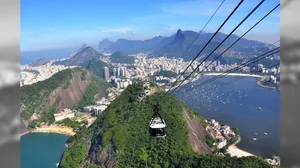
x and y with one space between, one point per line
96 66
120 57
65 89
120 138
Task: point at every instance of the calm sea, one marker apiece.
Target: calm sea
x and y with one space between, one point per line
42 150
236 104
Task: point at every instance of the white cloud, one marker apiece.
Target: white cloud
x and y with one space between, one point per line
169 28
118 30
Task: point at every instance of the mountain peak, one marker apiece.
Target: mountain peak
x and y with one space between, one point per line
179 31
179 38
104 44
84 54
41 61
83 45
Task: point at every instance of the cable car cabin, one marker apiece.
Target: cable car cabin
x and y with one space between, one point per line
157 127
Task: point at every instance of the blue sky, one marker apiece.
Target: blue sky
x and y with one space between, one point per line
68 23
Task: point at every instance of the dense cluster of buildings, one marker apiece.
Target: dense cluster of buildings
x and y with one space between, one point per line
119 77
222 134
41 72
260 68
120 72
147 67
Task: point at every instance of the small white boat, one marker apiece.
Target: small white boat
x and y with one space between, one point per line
57 164
266 133
254 139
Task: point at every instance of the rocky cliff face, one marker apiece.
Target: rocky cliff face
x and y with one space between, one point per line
65 89
66 98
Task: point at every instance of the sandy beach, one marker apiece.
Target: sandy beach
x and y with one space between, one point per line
235 151
56 129
233 74
29 75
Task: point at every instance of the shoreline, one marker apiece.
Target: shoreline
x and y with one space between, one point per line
216 74
233 150
243 74
53 129
260 84
28 76
233 74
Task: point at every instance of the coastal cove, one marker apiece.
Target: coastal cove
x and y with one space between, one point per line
52 129
42 149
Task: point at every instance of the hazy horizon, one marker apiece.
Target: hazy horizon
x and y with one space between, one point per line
73 24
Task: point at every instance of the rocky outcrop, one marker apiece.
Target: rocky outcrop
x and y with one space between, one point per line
196 131
66 98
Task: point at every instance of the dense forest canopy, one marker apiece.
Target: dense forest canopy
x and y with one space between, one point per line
120 138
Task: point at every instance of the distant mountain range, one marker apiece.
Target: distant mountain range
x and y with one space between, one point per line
171 46
177 44
121 57
85 53
41 61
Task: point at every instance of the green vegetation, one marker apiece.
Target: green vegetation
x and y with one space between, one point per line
97 86
208 140
120 57
48 116
83 76
195 114
70 123
234 139
34 98
33 124
153 84
96 66
269 83
168 74
75 153
120 137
